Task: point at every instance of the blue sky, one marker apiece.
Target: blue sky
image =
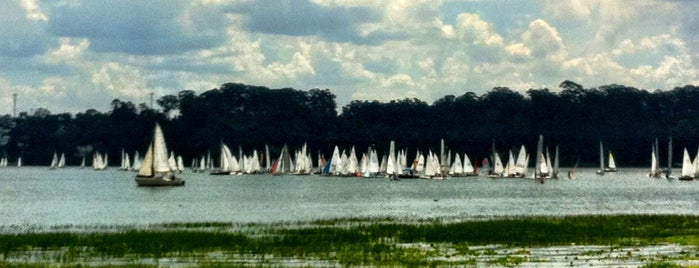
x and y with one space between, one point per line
74 55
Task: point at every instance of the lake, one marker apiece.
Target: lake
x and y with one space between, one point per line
37 196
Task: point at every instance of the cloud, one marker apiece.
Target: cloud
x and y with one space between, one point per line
33 10
304 18
476 30
139 27
74 55
22 33
544 42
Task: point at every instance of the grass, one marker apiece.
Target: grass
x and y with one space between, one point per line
364 242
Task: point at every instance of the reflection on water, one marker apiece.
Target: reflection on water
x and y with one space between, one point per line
39 196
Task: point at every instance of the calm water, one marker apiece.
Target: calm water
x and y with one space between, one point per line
39 196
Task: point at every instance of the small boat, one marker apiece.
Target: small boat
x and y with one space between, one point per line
541 169
54 161
573 172
654 162
155 170
224 165
600 171
611 167
687 167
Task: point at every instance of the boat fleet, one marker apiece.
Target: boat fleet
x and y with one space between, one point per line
160 168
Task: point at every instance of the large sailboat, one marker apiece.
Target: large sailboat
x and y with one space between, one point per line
155 170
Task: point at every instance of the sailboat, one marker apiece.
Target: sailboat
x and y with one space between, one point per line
224 166
654 162
155 170
611 167
541 171
54 161
687 167
572 172
62 161
469 170
600 171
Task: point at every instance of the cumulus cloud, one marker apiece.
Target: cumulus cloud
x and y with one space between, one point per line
138 27
304 18
544 41
22 33
82 54
477 30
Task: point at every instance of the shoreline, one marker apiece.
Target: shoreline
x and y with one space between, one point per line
503 241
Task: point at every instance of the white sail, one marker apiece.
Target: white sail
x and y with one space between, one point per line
419 165
19 161
457 168
156 160
521 162
510 169
136 162
54 161
127 161
499 168
374 164
468 166
180 163
543 167
612 164
61 161
430 169
654 167
353 165
224 161
391 164
687 166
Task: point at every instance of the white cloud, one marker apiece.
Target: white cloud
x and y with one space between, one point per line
478 31
396 49
69 50
33 10
120 79
544 41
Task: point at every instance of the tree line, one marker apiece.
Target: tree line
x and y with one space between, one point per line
626 119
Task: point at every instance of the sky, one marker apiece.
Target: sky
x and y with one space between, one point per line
74 55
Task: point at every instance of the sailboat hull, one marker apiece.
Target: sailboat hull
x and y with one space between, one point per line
159 181
685 178
220 172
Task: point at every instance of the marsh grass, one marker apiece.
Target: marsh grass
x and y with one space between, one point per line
363 242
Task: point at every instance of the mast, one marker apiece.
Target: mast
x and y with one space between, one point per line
601 156
669 157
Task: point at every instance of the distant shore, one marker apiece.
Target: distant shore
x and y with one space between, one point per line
597 239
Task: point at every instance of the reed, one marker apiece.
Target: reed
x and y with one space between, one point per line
375 242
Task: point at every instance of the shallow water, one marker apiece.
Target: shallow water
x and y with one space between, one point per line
71 196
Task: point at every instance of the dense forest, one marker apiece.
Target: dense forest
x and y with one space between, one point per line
626 119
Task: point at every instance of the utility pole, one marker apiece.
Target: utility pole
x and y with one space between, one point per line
14 105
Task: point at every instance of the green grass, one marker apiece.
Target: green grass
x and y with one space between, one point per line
359 243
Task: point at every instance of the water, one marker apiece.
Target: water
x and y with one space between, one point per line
37 196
